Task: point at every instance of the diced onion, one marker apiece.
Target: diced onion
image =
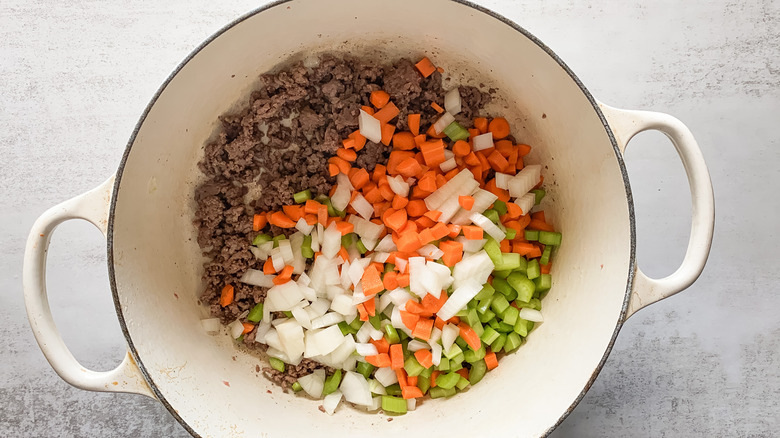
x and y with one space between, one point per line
386 244
483 199
285 248
355 389
376 387
291 335
448 165
385 376
435 353
483 141
443 122
304 226
488 226
459 298
343 304
236 328
344 351
411 404
471 245
302 317
526 202
531 315
277 259
363 207
283 297
331 402
327 320
461 184
525 180
475 267
370 127
257 278
502 180
415 345
331 243
452 101
430 251
398 185
211 325
366 349
313 383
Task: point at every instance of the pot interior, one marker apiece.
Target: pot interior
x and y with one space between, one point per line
210 384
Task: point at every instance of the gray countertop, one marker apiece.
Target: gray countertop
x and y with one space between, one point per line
75 76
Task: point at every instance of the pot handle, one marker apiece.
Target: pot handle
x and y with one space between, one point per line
92 206
625 124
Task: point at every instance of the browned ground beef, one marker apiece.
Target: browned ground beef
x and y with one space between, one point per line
281 142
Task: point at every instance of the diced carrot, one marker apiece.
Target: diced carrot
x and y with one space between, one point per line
409 319
425 67
381 360
387 193
420 139
454 230
411 382
539 215
396 356
370 306
428 181
461 148
294 212
388 129
471 159
346 154
226 296
259 221
311 206
434 375
403 141
396 157
368 109
395 220
523 149
284 276
473 132
247 327
408 241
439 230
400 374
374 195
410 226
416 208
345 227
540 225
491 360
387 113
476 171
437 107
499 127
432 133
281 220
505 148
497 161
403 280
535 253
440 180
453 252
433 215
413 120
409 167
470 336
343 254
424 357
505 246
419 193
359 178
522 248
433 152
481 123
380 173
333 170
423 329
426 236
382 346
503 195
432 304
439 323
414 307
513 211
467 202
472 232
360 140
424 223
311 219
390 280
463 373
343 164
322 214
379 98
268 267
399 202
371 281
545 269
348 143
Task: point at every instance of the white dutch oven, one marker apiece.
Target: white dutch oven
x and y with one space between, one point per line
154 264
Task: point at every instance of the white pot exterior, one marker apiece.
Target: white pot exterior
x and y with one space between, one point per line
209 384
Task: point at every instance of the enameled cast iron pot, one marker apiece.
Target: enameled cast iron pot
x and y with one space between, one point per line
146 211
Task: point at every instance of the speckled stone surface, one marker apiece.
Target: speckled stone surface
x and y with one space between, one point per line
74 76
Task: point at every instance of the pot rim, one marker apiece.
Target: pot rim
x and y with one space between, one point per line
120 171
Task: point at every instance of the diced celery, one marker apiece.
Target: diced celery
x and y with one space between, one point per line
502 286
439 392
499 304
503 327
356 323
530 325
491 214
502 274
550 238
394 389
460 342
277 239
487 316
477 372
543 282
453 351
520 327
462 383
493 250
447 381
510 316
486 292
456 132
287 313
389 267
534 303
533 269
525 288
361 247
256 314
391 334
511 233
489 335
477 327
424 383
302 196
500 207
545 258
426 372
345 328
462 313
457 361
512 342
444 365
276 364
531 235
306 250
539 194
261 239
395 405
471 305
347 240
296 386
472 356
509 261
498 344
413 367
332 382
365 369
472 318
483 306
376 321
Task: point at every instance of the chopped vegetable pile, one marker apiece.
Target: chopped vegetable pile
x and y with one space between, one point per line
410 280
